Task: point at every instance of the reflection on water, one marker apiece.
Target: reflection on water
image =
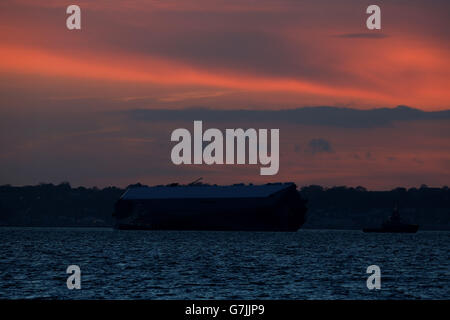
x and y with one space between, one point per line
222 265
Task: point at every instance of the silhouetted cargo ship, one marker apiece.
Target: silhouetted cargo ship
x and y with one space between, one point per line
270 207
394 225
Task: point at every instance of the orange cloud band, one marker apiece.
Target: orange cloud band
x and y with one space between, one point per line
138 69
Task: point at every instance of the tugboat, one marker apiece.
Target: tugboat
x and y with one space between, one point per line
394 225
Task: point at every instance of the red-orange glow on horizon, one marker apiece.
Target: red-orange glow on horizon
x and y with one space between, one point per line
148 69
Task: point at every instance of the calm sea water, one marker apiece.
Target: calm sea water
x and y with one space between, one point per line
222 265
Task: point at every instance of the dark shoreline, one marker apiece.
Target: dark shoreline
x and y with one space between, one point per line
337 208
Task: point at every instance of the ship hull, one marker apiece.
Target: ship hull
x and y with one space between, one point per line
283 211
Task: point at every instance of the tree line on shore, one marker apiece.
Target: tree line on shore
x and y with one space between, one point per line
334 207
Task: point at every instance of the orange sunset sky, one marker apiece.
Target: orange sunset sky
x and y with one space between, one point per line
85 106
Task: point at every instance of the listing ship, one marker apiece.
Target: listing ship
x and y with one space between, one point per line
394 225
270 207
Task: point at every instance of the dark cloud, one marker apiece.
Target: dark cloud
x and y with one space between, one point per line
316 116
319 145
251 50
